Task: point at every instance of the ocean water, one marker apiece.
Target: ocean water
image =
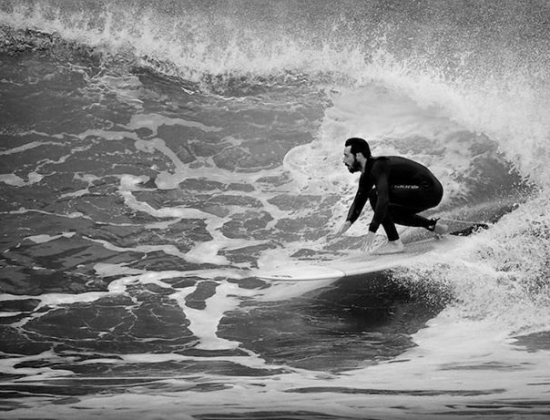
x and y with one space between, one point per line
155 155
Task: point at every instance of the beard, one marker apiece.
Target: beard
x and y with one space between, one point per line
354 167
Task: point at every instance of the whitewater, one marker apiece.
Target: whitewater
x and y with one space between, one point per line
155 155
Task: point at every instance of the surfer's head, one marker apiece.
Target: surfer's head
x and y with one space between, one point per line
356 153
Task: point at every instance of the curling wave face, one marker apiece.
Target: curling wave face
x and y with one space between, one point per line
153 153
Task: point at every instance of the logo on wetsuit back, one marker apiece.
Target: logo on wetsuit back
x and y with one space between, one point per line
406 187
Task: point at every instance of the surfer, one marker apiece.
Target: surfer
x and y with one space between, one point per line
397 188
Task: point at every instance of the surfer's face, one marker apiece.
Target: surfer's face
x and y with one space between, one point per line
351 161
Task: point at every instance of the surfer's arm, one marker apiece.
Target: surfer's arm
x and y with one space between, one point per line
369 241
344 228
356 207
358 202
381 176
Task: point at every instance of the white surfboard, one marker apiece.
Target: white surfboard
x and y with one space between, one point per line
361 263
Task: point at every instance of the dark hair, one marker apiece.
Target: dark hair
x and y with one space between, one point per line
359 145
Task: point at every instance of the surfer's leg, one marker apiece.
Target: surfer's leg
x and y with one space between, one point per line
407 203
394 245
407 216
389 227
388 224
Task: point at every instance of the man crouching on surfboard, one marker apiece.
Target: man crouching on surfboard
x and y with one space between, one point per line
397 188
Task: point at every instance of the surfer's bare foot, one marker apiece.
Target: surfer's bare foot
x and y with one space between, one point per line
392 247
439 228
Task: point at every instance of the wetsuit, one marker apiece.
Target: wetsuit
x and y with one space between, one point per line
398 189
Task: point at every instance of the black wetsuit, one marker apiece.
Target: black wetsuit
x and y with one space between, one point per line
398 189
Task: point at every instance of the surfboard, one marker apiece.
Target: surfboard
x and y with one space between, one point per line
360 263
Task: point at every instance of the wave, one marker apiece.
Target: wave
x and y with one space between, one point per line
463 88
483 65
501 276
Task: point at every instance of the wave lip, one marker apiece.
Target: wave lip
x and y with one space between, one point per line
493 83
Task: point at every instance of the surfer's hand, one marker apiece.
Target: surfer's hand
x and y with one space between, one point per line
369 242
340 232
344 228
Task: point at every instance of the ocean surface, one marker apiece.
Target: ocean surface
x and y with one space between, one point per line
155 155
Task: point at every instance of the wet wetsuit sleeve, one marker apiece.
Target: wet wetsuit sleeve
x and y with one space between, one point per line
380 175
360 199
